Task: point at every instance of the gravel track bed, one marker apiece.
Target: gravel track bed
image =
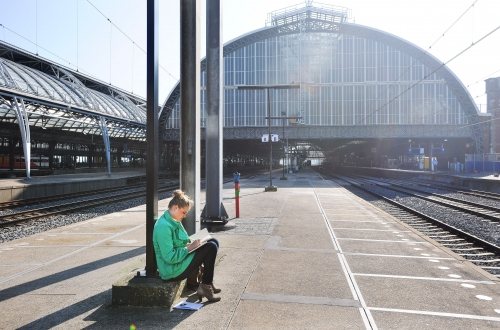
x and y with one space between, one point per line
477 226
463 221
480 227
460 196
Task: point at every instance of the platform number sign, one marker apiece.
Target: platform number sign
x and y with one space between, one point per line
274 138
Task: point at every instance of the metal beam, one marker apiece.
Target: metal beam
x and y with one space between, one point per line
190 109
152 133
24 127
214 210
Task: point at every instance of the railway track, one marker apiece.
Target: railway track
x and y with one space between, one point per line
74 202
457 189
482 210
485 253
40 200
96 198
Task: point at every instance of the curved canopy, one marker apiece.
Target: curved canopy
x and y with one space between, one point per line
276 49
56 97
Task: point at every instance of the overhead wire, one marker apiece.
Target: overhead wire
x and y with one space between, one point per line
36 26
480 123
438 68
34 43
409 67
110 49
129 38
484 78
77 37
63 61
453 24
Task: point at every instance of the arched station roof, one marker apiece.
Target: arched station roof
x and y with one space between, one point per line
57 97
335 20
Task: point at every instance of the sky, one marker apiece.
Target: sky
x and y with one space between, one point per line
106 39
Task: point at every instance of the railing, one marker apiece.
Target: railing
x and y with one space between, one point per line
334 14
487 163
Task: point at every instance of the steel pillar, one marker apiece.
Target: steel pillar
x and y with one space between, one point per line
152 133
270 187
214 210
107 144
190 109
24 126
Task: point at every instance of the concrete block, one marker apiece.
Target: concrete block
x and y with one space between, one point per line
5 194
133 290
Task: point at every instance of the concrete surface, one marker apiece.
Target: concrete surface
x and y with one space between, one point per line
309 256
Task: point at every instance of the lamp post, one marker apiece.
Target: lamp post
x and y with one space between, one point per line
283 177
267 88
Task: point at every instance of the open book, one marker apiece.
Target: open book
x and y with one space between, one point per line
203 235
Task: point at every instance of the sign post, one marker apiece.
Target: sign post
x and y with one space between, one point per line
267 88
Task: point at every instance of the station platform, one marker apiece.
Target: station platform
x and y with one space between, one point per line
310 256
50 185
479 181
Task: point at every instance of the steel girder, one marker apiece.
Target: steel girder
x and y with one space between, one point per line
304 132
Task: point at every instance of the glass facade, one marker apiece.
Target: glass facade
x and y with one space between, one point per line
345 80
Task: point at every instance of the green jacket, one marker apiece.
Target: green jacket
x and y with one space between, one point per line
169 241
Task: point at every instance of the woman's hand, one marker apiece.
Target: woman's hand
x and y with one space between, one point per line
193 245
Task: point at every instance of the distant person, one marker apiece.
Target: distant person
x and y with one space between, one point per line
173 249
434 163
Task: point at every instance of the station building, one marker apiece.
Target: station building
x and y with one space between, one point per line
365 95
339 91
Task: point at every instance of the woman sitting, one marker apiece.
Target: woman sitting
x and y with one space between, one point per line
173 249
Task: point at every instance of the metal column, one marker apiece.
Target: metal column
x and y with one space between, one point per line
190 109
270 187
107 144
152 133
214 210
24 126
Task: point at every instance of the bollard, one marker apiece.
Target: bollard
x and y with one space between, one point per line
236 178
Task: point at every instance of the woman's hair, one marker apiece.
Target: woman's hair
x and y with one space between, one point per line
180 199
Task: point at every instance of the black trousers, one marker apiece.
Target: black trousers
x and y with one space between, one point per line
205 255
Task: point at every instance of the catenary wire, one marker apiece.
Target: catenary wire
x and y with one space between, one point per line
409 67
434 71
129 38
453 24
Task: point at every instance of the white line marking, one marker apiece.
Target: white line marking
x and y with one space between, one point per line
380 240
355 290
468 286
354 221
369 229
424 278
83 233
460 316
394 256
366 322
50 246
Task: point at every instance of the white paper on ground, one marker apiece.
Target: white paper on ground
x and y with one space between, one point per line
188 305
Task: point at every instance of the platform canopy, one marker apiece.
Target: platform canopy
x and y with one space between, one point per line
55 97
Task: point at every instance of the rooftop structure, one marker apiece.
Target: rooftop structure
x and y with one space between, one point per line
327 16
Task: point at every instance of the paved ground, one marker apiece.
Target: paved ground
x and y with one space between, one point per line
309 256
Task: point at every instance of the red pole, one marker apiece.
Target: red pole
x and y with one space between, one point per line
236 177
237 194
